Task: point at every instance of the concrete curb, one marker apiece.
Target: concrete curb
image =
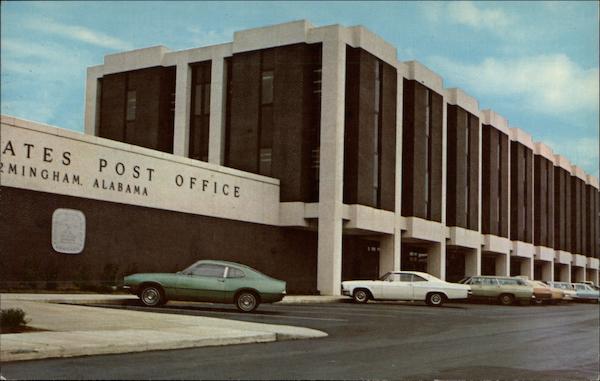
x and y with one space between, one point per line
76 330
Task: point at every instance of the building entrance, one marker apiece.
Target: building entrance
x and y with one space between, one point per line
360 259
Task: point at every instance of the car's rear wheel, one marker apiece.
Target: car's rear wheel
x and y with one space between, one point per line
361 295
506 299
152 296
246 301
435 299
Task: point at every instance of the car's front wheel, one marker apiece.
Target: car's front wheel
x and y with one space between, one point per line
152 296
435 299
246 301
361 295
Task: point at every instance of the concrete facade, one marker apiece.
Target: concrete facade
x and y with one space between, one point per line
390 169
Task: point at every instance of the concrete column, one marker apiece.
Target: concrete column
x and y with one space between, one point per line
527 267
565 273
181 135
389 253
91 100
503 265
579 274
436 260
218 89
329 262
548 271
473 262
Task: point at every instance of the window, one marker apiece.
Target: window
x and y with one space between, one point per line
131 105
235 273
475 281
200 112
267 87
208 270
427 155
467 174
417 278
265 133
509 282
376 127
406 277
489 282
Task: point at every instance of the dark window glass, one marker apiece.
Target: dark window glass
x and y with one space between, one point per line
208 270
198 100
406 277
417 278
267 87
200 113
235 273
131 105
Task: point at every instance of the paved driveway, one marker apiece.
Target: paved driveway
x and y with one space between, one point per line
377 340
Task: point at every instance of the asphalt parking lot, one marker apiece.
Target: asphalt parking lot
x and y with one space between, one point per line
373 341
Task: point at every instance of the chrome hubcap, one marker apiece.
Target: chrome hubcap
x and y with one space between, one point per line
150 296
436 299
361 296
247 302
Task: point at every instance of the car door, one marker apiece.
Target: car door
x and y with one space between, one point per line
204 282
398 286
420 287
476 284
235 279
490 288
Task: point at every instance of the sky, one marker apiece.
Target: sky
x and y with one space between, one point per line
534 63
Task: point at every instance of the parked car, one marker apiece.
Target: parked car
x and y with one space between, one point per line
505 290
544 293
208 281
567 289
585 292
591 284
405 285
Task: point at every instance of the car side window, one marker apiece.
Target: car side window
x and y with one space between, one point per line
235 273
405 277
208 270
510 282
476 281
489 282
417 278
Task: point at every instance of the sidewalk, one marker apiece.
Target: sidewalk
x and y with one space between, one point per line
73 330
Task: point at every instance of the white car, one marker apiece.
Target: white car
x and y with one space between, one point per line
405 285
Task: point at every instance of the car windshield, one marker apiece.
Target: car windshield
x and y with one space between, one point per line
464 280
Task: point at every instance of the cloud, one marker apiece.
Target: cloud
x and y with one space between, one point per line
76 32
582 152
467 13
203 37
548 84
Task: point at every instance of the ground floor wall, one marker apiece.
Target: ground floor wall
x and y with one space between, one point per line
123 239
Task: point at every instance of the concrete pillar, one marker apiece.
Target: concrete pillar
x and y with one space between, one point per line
91 100
473 262
565 272
389 253
548 271
181 133
579 274
436 260
503 265
329 261
218 89
527 267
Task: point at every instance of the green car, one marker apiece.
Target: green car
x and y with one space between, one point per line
208 281
504 289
